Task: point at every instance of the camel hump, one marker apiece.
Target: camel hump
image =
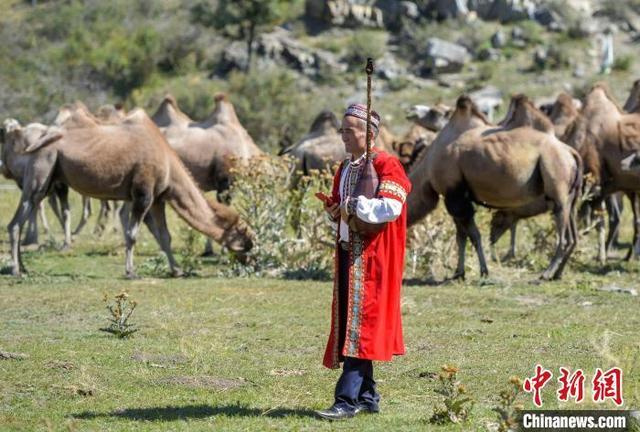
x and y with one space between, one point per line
136 116
219 97
468 107
75 115
323 121
223 112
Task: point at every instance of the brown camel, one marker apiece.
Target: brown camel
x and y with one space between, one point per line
78 115
522 113
563 113
427 122
604 135
322 147
473 162
130 161
207 148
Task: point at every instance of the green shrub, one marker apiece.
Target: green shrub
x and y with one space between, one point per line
623 63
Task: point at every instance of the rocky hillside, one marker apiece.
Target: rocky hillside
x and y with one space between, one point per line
306 55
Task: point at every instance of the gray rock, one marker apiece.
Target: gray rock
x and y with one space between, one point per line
579 71
498 39
618 289
507 11
443 56
387 67
540 57
486 54
445 9
348 13
235 56
584 29
517 33
410 10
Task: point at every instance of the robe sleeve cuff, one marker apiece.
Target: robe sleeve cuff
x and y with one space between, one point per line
378 210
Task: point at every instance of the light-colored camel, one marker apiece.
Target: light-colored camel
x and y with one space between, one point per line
130 161
522 113
604 135
472 161
207 148
12 166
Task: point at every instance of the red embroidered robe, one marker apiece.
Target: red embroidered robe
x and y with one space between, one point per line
374 325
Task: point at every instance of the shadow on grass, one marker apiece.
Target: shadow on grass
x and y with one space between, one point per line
172 413
595 268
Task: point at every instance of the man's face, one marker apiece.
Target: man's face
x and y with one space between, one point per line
353 135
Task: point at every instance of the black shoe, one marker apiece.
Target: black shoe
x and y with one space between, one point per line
367 409
336 413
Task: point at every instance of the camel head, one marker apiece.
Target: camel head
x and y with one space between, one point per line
433 118
632 104
30 138
631 163
235 234
324 121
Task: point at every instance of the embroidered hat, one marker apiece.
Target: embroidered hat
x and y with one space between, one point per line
360 111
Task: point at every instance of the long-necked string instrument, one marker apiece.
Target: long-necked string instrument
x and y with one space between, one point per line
367 184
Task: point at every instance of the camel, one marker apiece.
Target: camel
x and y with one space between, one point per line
207 148
605 135
522 113
322 147
78 115
130 161
472 161
13 166
563 113
427 122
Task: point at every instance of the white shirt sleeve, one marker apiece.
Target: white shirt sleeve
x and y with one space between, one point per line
378 210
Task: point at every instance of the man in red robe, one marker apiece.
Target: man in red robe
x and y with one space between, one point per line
366 323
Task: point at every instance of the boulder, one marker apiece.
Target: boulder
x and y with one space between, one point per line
443 56
387 67
498 39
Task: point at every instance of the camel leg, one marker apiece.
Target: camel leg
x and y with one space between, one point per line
208 248
31 236
634 250
460 207
461 242
86 213
602 249
29 202
62 192
613 210
512 246
476 240
156 221
53 203
139 209
43 218
123 214
103 217
565 243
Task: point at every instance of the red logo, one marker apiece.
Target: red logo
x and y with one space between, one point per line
537 383
608 385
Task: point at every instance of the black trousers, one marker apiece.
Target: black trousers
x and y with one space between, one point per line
356 386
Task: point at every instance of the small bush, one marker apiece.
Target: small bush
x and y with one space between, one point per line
121 309
623 63
293 235
507 408
457 405
364 44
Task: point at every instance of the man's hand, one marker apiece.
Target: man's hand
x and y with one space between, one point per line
333 210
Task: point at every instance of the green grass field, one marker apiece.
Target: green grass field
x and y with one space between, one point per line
245 354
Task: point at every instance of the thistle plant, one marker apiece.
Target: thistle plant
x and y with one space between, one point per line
508 410
120 309
456 404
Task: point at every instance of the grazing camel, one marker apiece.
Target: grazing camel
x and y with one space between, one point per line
130 161
605 135
472 161
208 148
